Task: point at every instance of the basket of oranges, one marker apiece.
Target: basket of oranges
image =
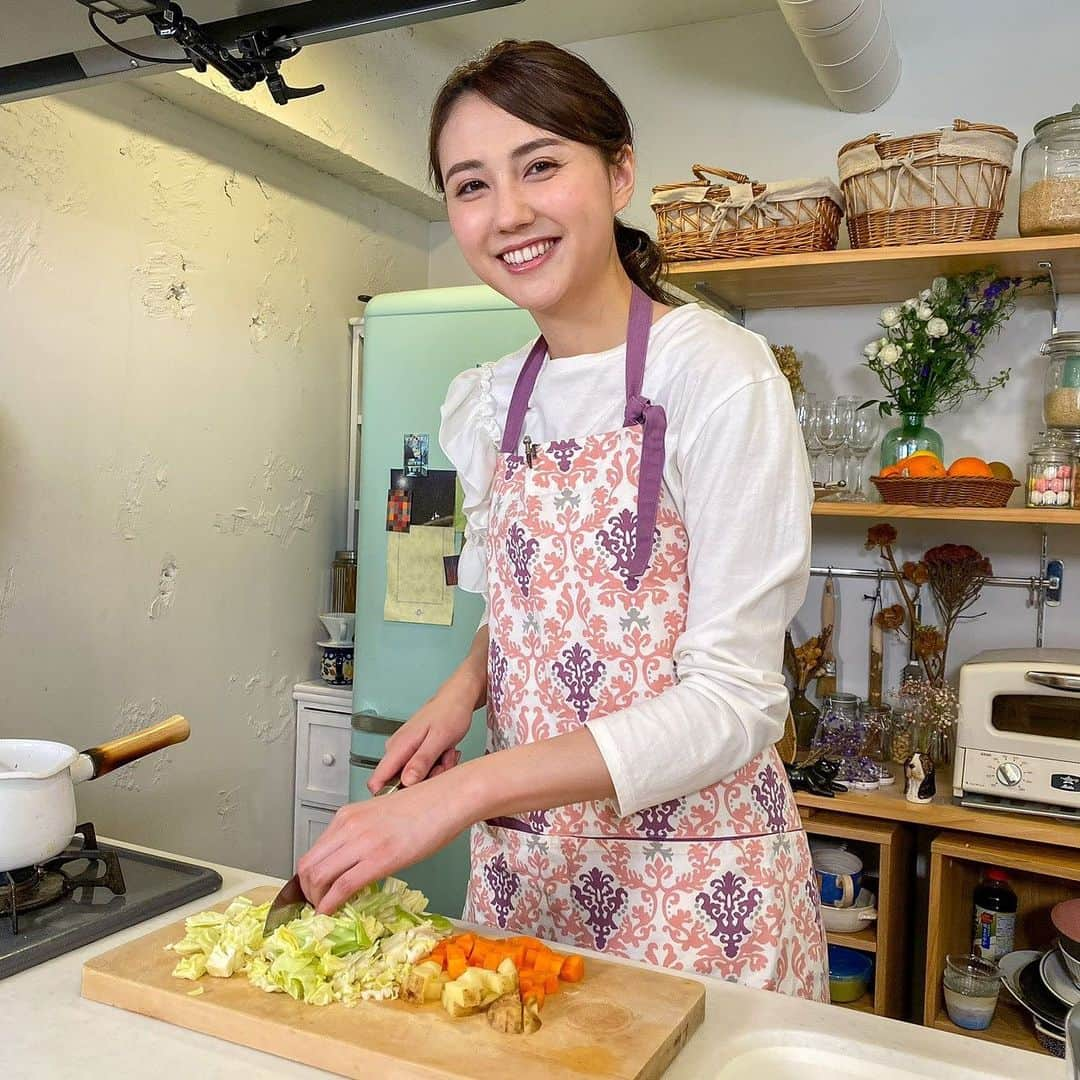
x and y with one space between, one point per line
923 480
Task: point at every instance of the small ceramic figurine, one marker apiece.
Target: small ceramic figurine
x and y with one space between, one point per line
919 786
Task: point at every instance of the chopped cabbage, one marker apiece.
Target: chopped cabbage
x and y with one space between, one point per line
363 952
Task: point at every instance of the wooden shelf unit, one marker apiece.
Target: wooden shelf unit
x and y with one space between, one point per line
1040 875
1006 515
870 275
886 938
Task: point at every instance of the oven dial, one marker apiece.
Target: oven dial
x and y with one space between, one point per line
1009 773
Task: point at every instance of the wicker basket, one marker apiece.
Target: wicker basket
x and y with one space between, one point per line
944 491
737 218
935 188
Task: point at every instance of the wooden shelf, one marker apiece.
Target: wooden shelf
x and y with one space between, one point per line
864 1004
871 275
1011 1026
889 804
1011 515
863 940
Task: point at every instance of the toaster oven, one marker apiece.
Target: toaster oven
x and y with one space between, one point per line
1018 734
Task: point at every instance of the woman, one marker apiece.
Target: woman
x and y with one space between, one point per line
641 532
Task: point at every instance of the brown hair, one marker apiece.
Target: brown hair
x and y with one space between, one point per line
553 89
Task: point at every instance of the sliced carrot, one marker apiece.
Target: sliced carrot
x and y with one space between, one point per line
555 963
528 942
492 961
573 969
551 984
455 962
466 942
535 994
530 957
526 980
438 954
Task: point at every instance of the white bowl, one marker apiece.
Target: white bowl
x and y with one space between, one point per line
849 920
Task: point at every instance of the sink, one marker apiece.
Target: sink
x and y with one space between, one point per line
800 1062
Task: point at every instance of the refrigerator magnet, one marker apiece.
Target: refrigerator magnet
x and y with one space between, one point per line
398 511
416 455
450 564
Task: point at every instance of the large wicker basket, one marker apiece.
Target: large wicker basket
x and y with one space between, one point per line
975 491
933 188
735 217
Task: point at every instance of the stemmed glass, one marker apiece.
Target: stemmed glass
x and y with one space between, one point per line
833 424
862 437
806 411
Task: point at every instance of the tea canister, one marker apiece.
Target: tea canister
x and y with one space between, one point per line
1050 177
1051 472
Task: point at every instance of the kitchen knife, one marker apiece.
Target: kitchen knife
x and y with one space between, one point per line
290 901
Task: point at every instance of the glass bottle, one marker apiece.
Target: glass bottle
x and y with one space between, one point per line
911 435
1061 384
1050 177
1051 472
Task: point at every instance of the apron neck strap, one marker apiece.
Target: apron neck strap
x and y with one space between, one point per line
637 342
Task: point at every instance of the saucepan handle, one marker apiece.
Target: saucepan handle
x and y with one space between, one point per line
111 755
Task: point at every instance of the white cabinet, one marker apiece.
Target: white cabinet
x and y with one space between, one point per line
323 735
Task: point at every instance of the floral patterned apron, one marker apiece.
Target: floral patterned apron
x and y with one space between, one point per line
588 591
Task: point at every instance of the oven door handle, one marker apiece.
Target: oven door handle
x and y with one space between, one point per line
1055 680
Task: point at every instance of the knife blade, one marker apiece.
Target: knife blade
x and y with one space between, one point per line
290 900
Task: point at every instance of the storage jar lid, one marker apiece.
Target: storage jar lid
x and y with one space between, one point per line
1064 341
1072 114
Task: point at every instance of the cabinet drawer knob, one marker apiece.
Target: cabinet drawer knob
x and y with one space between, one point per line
328 759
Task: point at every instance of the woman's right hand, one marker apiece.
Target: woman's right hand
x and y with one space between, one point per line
426 744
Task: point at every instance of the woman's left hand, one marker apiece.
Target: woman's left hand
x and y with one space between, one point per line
368 840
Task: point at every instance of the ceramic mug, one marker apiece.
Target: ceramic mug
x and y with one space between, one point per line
839 875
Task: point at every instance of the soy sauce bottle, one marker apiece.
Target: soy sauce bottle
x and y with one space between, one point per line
995 916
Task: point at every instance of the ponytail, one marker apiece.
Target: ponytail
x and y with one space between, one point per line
642 260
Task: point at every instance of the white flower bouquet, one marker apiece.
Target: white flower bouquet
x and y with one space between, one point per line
927 354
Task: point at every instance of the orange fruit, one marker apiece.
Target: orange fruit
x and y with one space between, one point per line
891 470
921 466
1001 470
970 466
925 453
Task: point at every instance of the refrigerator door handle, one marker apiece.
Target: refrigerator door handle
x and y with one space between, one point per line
375 724
362 761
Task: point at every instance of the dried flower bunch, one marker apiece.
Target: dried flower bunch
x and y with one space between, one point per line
926 357
790 366
805 662
955 574
936 706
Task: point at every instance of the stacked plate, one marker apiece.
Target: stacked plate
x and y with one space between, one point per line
1041 983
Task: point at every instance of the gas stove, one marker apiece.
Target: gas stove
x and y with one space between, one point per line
85 893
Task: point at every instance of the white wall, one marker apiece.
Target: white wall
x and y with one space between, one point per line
174 355
738 94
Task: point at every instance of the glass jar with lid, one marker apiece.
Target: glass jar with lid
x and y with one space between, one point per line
1051 472
1050 177
1061 384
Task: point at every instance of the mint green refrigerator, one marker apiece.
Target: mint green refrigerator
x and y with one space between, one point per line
414 345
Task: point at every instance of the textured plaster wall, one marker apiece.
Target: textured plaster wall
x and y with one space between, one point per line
173 448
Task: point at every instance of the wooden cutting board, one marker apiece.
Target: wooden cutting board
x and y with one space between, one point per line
619 1022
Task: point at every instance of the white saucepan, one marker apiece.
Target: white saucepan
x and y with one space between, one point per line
37 787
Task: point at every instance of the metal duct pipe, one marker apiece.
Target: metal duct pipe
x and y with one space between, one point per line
850 47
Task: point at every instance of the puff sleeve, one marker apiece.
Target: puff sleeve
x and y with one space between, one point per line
469 433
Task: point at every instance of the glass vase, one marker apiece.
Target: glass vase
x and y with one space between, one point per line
806 715
911 435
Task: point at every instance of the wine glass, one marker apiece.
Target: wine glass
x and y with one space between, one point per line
833 423
862 437
806 410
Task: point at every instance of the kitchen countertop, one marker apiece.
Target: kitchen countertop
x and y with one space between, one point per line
51 1033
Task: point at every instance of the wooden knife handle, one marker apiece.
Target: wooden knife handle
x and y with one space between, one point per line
111 755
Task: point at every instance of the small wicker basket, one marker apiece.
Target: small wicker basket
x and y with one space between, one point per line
933 188
975 491
738 218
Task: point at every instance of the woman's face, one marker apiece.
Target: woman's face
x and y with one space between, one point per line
532 212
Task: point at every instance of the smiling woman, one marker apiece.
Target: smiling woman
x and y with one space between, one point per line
637 503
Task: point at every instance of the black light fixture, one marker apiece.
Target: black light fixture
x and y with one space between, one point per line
246 49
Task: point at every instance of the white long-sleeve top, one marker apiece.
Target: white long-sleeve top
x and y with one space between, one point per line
736 469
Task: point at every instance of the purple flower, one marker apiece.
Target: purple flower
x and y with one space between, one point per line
996 288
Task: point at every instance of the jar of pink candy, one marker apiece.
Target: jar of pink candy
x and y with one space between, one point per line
1051 471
